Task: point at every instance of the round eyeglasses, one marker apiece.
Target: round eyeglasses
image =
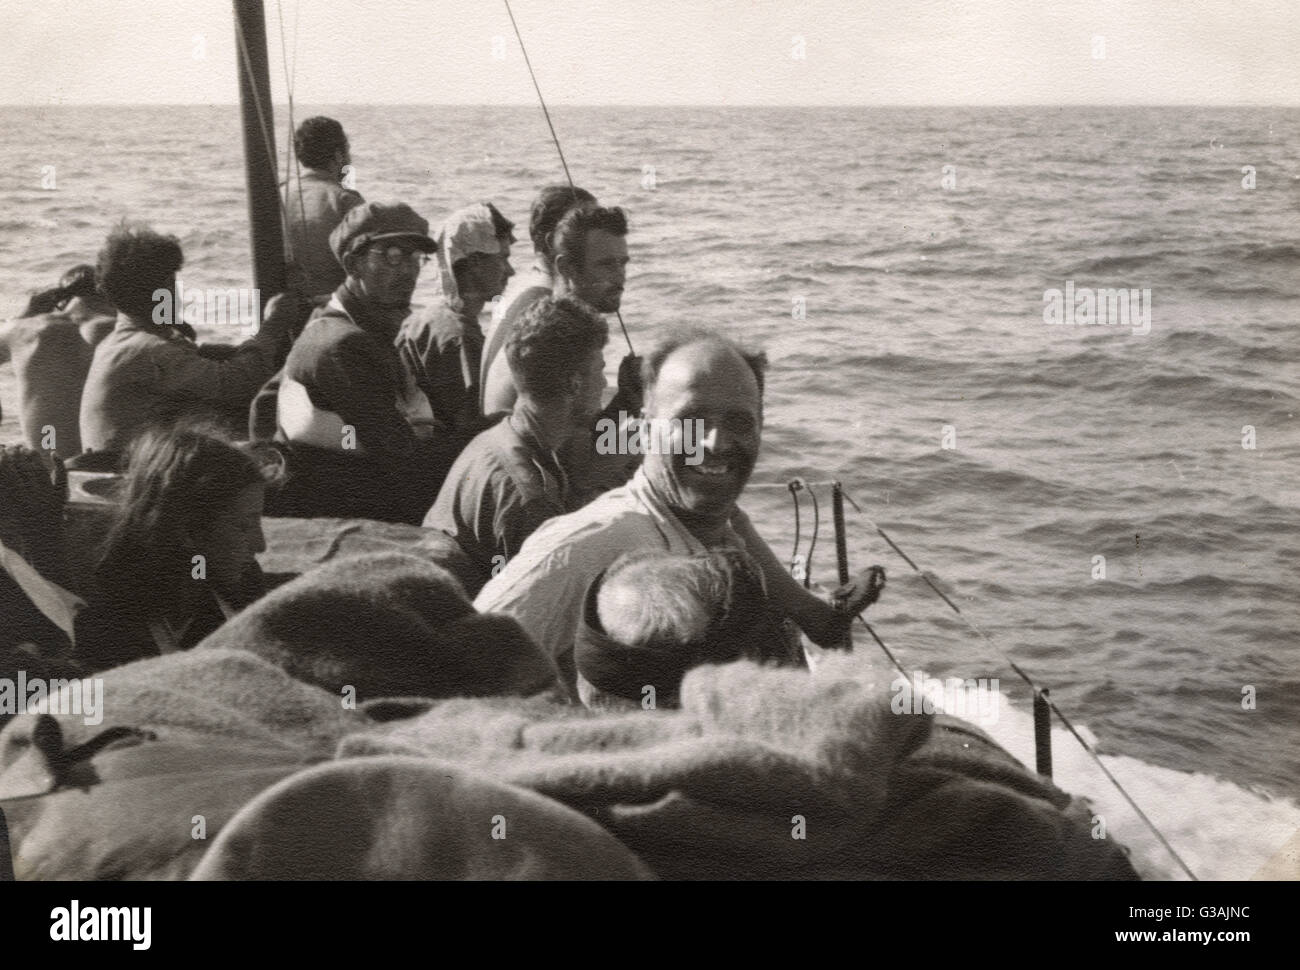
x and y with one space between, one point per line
396 256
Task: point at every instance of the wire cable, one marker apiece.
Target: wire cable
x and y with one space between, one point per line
555 138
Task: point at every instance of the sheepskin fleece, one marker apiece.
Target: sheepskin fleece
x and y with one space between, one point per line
296 545
768 773
225 726
762 774
411 818
386 624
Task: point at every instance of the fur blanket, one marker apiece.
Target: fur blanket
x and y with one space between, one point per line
212 731
387 624
275 740
411 818
762 773
769 773
295 546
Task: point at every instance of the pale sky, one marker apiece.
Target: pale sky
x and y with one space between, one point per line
665 51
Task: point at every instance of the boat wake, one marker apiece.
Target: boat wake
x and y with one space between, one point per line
1220 829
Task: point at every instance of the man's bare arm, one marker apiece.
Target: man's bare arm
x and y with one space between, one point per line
823 624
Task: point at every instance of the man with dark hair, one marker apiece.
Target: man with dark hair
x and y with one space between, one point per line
553 201
52 344
703 423
443 345
588 257
510 480
316 201
358 430
591 255
148 371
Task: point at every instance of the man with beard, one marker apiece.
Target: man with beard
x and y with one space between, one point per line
510 479
553 202
682 500
591 265
357 427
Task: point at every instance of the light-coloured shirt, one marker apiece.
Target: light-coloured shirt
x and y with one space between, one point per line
315 204
543 586
144 375
51 360
496 383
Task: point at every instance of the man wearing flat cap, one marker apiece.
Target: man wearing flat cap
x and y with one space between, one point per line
357 428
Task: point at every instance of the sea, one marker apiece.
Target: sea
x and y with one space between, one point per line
1110 502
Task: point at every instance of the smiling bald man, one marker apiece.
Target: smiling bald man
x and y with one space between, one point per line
682 500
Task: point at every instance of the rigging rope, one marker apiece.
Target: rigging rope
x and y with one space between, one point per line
290 151
989 640
555 138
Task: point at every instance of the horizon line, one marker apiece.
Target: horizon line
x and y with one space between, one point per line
584 104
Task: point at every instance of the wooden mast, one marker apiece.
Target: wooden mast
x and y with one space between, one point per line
261 166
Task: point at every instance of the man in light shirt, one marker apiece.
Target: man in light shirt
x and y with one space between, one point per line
315 202
704 410
496 384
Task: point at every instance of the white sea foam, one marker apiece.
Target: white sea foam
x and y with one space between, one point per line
1220 829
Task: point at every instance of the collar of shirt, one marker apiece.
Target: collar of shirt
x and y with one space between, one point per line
358 310
544 458
168 637
469 321
539 274
643 493
161 331
306 174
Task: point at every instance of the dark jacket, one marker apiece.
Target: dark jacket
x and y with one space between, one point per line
442 348
115 630
360 446
502 487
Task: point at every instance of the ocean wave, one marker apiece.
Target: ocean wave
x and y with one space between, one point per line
937 474
826 266
1221 830
1203 339
1119 264
1183 177
1258 291
1209 584
1206 586
1169 534
1136 378
32 222
903 365
1284 253
696 182
951 244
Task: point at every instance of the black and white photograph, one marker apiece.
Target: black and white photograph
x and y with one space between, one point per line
567 440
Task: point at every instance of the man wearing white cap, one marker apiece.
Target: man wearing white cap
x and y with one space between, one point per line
442 346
